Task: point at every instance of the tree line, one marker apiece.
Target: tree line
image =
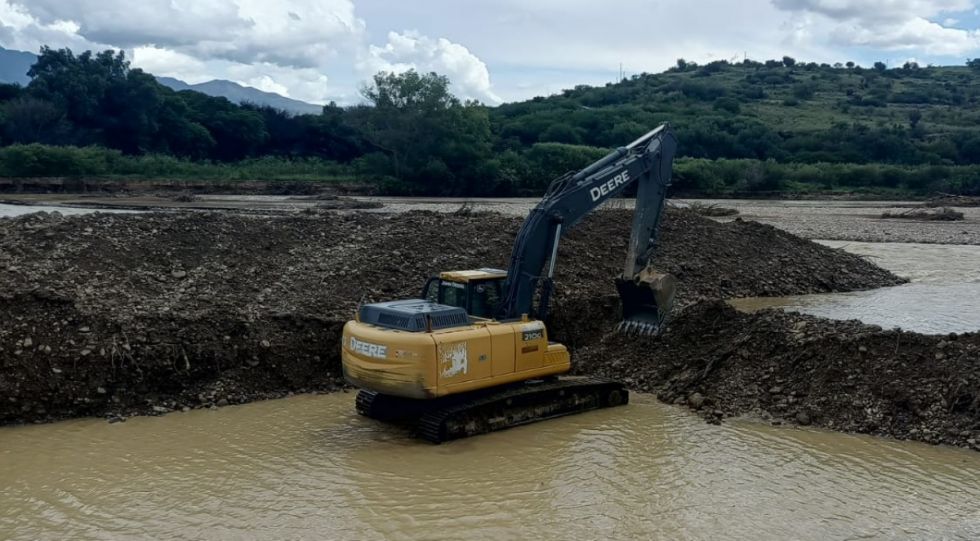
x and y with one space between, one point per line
750 126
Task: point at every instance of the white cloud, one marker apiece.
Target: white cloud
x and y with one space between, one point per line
20 29
490 49
887 24
307 84
412 50
302 33
876 10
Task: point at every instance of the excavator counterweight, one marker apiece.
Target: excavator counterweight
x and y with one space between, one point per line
472 354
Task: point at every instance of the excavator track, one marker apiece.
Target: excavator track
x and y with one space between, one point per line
481 412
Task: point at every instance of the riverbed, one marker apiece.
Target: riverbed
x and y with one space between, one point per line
813 219
308 468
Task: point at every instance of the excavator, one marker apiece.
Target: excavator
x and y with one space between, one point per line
472 354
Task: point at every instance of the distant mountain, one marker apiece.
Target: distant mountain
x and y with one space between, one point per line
14 66
241 94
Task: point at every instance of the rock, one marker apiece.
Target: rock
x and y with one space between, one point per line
100 390
696 400
265 343
115 419
776 390
27 342
84 330
160 409
178 274
803 419
222 403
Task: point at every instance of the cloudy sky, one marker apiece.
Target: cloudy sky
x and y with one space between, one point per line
502 50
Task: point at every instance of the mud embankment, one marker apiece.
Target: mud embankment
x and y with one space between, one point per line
785 367
127 314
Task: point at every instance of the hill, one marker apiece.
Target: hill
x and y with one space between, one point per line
237 93
14 66
781 110
779 125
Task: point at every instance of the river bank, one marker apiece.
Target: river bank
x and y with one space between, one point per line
840 219
793 368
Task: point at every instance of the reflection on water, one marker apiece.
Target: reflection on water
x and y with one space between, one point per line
307 467
943 296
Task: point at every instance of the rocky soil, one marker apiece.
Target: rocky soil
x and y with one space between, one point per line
113 314
785 367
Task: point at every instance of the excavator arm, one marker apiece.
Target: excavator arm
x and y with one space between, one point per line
646 295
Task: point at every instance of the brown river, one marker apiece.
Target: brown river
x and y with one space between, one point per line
308 468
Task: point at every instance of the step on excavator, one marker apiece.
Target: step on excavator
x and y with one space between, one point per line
472 354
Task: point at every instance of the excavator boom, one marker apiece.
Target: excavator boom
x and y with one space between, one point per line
646 295
472 355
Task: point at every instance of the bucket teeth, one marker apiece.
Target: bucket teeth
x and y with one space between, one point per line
637 328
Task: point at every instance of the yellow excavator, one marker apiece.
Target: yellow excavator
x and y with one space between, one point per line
472 354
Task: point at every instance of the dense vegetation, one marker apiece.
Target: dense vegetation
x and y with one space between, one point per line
744 128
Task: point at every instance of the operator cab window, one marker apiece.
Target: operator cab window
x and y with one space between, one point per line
452 293
484 298
479 299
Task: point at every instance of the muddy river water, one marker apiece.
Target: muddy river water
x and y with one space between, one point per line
943 294
306 467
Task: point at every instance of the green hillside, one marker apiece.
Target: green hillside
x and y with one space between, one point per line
748 128
783 112
802 113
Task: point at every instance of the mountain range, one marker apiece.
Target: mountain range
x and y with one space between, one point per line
15 64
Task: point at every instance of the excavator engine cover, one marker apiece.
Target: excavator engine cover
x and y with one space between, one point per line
647 300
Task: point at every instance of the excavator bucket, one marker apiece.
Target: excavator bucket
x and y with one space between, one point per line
647 300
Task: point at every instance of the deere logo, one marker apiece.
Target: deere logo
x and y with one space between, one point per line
368 349
604 189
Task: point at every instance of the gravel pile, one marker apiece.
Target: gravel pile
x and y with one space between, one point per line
123 314
841 375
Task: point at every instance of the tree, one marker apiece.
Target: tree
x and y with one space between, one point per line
974 63
789 61
431 138
803 91
850 64
560 133
727 104
30 120
915 116
880 66
77 85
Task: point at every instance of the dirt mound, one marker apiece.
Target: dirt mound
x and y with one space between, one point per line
843 375
150 312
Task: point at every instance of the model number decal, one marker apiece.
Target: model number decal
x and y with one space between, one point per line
368 349
533 335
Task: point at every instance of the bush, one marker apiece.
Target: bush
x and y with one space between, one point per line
36 160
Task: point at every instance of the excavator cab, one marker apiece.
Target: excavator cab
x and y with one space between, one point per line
476 291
